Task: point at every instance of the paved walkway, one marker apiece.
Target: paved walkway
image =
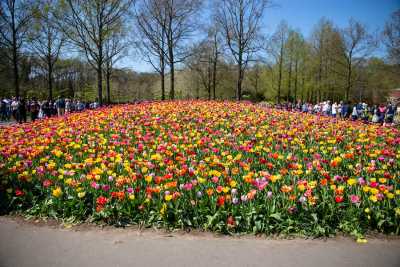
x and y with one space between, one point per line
25 244
5 123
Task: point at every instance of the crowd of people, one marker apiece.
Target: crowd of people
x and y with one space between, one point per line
18 109
384 113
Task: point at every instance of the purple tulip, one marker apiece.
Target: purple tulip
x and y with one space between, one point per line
106 187
361 181
235 201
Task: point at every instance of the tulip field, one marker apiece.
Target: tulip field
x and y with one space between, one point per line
228 167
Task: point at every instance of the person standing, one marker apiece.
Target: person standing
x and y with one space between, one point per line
60 105
354 113
3 110
381 113
15 108
374 112
365 113
34 109
46 109
334 109
339 109
396 119
8 108
328 108
22 111
390 111
345 110
67 106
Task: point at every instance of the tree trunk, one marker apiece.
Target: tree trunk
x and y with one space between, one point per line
312 96
295 81
348 87
172 71
71 87
239 82
289 80
50 79
214 78
319 85
209 78
15 54
256 83
172 81
15 65
162 76
280 75
100 83
240 54
197 90
215 66
100 66
108 83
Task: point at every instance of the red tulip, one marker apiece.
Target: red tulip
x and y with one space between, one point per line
231 221
221 201
339 199
19 193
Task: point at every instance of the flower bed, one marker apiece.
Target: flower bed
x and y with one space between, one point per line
222 166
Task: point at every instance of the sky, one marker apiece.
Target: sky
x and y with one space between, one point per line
304 15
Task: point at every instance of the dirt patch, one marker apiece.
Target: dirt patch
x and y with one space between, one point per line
176 233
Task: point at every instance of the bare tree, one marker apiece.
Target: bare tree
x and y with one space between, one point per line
327 50
254 77
166 25
358 44
89 24
214 40
114 47
47 39
152 24
203 60
391 35
201 63
180 23
15 16
277 48
295 47
240 22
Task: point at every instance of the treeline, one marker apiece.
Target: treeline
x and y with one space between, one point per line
198 49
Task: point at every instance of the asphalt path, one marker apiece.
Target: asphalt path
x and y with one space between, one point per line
29 244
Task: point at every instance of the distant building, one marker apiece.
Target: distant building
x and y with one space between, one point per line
394 96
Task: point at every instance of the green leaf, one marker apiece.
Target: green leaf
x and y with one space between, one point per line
258 226
314 216
380 223
276 216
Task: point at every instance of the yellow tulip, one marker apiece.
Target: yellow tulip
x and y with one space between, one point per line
351 182
57 192
373 198
148 178
144 169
